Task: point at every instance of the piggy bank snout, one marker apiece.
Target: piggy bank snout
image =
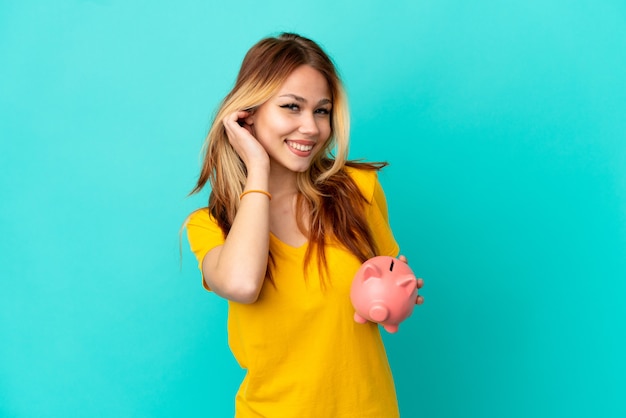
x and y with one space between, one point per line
379 313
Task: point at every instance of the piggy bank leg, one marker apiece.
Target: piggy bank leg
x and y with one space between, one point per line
391 328
358 318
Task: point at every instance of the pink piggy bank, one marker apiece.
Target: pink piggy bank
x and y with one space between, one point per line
384 290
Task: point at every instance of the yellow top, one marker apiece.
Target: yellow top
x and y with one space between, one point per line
305 355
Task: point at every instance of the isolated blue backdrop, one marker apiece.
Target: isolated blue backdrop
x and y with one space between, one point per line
504 123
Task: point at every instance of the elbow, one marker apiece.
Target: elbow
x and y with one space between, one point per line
240 287
243 296
245 291
247 299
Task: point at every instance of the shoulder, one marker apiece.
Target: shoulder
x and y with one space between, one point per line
377 215
199 217
203 232
365 179
201 221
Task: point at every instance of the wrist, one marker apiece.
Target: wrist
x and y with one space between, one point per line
260 171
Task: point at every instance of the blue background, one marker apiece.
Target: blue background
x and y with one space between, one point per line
504 123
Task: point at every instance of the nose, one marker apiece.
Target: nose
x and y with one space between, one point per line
309 125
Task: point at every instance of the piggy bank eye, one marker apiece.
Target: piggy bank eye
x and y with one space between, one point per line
391 266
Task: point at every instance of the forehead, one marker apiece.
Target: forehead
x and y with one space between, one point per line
307 82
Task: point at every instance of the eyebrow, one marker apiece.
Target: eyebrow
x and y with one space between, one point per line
303 100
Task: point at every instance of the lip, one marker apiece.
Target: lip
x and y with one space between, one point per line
302 142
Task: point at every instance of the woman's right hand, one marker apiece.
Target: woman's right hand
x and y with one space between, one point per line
240 135
249 234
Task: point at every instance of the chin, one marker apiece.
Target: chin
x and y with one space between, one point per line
299 166
301 169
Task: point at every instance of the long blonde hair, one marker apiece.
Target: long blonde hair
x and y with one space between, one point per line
326 192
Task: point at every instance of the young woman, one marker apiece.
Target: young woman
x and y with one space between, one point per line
289 222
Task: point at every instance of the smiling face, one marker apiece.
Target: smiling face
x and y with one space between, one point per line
294 124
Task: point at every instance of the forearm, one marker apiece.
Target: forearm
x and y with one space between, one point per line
236 270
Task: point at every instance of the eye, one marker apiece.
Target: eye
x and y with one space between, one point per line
291 106
323 111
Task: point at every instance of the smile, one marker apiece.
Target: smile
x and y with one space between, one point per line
300 147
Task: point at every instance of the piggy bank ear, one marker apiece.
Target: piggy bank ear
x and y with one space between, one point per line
370 271
408 284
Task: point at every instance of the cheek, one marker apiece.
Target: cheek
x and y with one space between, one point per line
325 131
270 127
324 137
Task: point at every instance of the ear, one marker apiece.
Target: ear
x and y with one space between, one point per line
370 271
408 283
249 120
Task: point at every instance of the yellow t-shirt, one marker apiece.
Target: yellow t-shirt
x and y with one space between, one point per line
304 354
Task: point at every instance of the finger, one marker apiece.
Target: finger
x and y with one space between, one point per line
239 114
228 122
241 117
234 118
235 126
420 283
419 300
403 259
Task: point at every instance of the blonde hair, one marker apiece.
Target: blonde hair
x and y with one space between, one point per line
264 69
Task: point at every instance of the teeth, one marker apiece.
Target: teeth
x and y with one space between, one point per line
300 147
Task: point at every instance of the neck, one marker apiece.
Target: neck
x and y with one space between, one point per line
282 181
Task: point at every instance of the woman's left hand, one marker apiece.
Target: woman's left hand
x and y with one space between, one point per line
420 282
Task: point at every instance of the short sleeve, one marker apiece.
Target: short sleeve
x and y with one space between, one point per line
203 235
